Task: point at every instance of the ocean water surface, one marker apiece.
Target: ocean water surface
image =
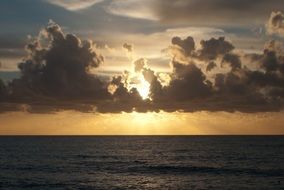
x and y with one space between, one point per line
142 162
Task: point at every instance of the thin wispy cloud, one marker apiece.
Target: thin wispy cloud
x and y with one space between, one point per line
74 5
206 12
133 8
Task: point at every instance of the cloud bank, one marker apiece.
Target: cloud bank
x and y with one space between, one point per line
58 73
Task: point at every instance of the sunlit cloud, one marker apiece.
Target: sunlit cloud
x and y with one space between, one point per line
133 8
74 5
9 64
157 41
275 24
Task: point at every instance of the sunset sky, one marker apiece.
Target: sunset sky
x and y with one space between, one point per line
141 67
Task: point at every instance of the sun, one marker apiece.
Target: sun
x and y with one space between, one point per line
143 88
134 80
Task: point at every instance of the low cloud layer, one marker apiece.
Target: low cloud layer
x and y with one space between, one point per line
59 72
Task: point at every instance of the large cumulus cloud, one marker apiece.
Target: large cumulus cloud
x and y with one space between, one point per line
188 83
235 88
58 65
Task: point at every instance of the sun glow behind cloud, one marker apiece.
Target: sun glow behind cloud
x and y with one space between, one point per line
143 87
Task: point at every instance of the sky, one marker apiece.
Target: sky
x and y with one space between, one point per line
132 67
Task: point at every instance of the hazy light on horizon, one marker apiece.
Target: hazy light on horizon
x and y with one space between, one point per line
151 123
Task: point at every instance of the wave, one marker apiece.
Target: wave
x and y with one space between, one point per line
162 169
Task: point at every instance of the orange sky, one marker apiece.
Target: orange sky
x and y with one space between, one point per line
198 123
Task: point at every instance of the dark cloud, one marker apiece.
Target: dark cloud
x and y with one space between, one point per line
59 69
188 44
271 59
237 89
128 47
232 83
188 82
232 60
211 65
121 93
3 90
210 49
266 80
265 84
124 99
183 49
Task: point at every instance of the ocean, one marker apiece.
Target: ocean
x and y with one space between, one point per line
142 162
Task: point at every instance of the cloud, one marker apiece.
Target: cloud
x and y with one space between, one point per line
155 89
271 60
185 50
139 64
122 93
156 40
188 44
232 60
211 65
275 24
128 47
236 89
214 47
195 12
3 90
188 83
132 8
58 65
74 5
56 74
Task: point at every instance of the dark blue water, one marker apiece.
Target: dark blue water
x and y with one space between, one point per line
190 162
